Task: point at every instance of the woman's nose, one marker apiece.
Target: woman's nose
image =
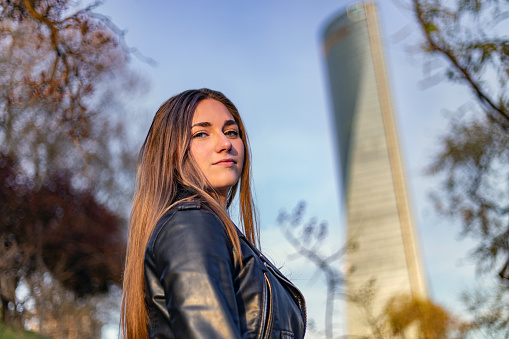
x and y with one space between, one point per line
224 143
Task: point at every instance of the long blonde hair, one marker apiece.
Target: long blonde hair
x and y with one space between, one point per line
165 165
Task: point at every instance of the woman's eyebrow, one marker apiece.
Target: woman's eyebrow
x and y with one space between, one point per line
208 124
229 123
202 124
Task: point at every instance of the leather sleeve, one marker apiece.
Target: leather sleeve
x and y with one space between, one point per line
189 257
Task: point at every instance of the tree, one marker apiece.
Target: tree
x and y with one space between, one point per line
307 239
63 72
472 159
62 246
363 298
406 316
475 189
489 311
66 165
464 34
431 320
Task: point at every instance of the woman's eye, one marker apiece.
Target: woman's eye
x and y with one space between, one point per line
200 135
231 133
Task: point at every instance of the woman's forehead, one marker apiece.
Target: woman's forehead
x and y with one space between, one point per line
213 112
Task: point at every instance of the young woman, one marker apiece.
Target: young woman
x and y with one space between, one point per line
190 273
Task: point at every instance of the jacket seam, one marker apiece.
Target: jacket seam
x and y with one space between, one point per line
156 236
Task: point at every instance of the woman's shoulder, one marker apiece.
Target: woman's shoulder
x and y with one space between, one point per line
190 224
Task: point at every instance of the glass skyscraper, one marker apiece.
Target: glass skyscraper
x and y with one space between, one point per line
379 219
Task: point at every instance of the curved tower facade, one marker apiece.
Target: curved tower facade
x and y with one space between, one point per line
378 212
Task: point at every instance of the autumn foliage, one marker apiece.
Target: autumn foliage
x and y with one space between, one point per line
59 228
430 320
66 164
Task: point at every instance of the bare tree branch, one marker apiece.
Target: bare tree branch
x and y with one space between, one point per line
425 12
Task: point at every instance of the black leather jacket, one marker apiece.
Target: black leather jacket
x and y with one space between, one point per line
195 288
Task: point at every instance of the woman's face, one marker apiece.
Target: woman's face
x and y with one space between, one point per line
216 145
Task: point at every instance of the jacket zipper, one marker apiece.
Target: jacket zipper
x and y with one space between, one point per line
267 310
302 302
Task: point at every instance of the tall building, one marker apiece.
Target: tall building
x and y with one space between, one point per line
378 213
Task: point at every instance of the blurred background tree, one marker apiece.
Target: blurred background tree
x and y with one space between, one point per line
66 164
307 237
465 34
429 320
406 316
473 159
489 310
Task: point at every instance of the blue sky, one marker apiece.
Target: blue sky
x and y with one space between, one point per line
266 57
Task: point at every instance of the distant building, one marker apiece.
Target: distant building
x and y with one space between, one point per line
378 213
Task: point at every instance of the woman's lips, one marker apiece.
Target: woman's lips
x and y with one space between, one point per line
226 162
